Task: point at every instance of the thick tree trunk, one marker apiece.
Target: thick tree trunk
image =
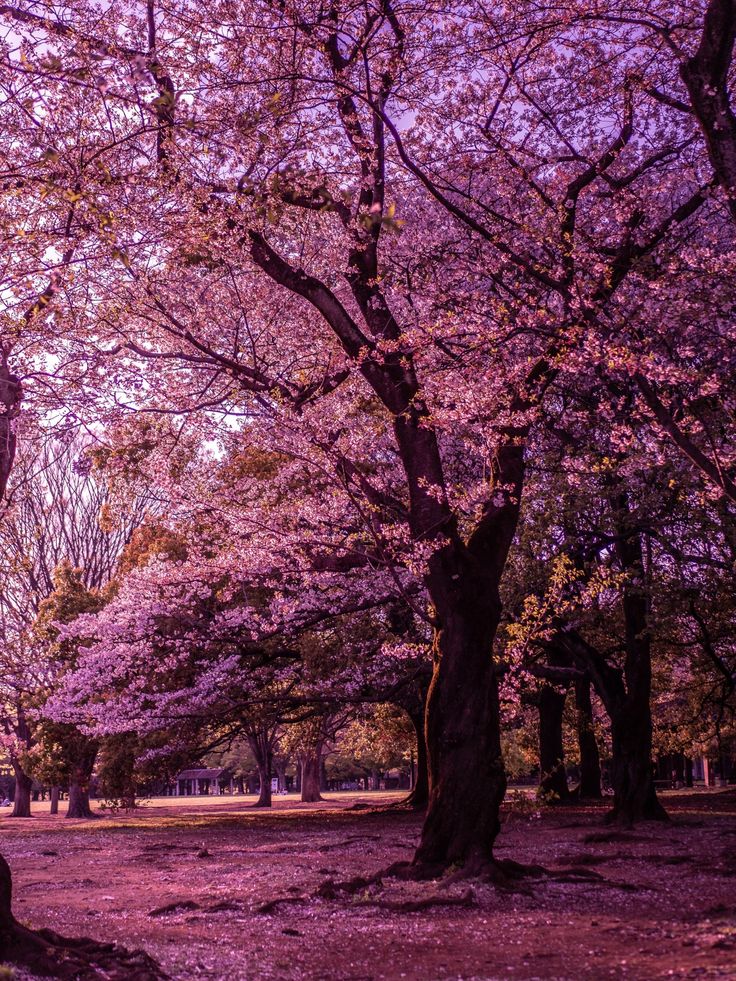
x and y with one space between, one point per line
80 773
467 782
635 797
79 805
311 774
628 709
590 763
552 776
261 744
264 795
6 914
632 774
626 694
54 809
706 75
23 788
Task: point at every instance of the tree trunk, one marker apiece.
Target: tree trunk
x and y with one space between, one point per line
552 776
54 809
79 805
419 796
635 797
467 782
311 773
281 774
626 694
466 776
81 765
6 913
706 75
261 744
688 771
264 796
11 395
590 763
632 774
22 796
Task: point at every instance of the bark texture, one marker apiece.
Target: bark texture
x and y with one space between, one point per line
10 402
264 791
635 797
466 775
79 803
626 693
23 787
81 766
311 775
552 775
632 775
261 741
419 796
706 76
590 763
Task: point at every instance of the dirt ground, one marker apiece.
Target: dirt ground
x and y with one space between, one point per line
664 907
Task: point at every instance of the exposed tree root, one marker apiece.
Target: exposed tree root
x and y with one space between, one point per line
336 890
45 953
179 906
413 803
332 890
273 904
225 906
188 905
503 874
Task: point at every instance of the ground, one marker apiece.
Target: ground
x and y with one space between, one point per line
664 908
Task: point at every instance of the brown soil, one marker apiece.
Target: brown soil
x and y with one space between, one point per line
195 884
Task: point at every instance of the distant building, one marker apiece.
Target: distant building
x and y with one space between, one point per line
204 782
